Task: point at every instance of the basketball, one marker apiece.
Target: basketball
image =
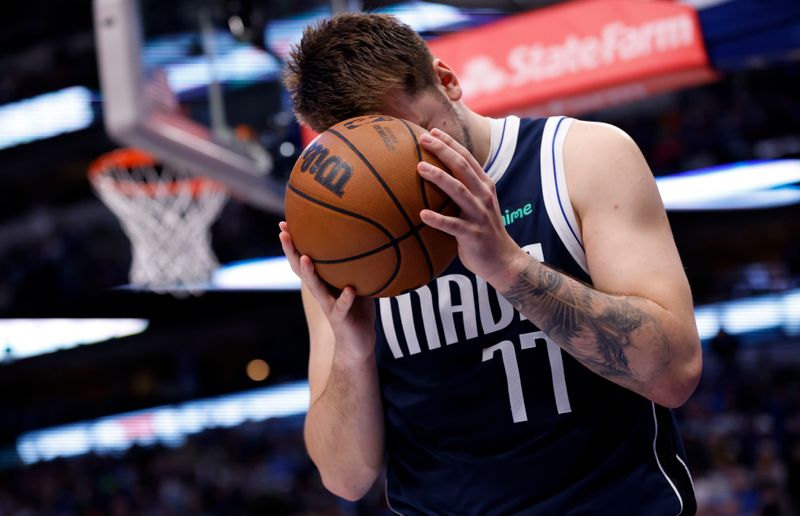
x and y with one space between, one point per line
352 205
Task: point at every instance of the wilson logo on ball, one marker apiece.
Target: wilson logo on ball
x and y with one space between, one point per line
373 238
330 171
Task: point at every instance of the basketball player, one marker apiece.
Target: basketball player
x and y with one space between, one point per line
535 375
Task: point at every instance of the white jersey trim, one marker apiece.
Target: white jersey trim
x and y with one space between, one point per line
691 480
386 494
655 453
505 132
554 188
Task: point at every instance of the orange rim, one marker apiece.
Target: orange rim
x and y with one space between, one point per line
134 158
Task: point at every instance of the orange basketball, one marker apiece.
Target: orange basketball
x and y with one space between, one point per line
353 202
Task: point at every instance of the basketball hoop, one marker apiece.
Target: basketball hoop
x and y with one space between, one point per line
167 214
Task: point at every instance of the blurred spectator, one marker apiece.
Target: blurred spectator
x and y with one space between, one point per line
725 347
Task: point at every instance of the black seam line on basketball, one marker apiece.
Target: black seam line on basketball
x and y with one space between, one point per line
331 207
374 172
445 204
395 241
374 250
388 190
425 203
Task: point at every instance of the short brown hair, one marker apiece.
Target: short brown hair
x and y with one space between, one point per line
344 66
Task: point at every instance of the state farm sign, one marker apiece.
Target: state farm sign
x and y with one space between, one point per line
617 42
573 49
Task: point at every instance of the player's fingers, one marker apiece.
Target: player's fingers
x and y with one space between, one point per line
315 285
288 248
451 186
455 162
456 146
343 304
466 171
450 225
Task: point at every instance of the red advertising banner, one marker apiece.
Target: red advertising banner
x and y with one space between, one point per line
577 57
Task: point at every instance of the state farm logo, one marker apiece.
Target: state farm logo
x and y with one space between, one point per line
616 43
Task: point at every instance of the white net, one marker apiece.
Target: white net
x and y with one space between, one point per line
167 215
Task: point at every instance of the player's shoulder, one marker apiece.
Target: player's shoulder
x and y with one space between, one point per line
598 154
586 139
599 159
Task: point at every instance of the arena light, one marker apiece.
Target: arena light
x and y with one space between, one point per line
750 184
791 312
264 274
23 338
774 198
425 16
281 35
45 116
753 314
241 64
234 61
163 50
168 425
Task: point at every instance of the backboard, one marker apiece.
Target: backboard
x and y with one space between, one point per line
169 72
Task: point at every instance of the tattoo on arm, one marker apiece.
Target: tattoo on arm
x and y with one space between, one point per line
596 328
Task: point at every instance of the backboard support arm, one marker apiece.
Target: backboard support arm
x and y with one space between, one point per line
169 136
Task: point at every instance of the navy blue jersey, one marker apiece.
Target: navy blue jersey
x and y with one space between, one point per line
486 415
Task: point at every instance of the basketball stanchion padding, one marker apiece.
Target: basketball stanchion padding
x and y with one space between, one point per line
353 202
167 214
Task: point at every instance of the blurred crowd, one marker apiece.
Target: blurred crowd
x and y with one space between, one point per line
741 429
746 116
254 469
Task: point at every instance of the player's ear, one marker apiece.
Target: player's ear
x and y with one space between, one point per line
448 80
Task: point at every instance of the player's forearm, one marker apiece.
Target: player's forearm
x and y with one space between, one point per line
344 428
629 340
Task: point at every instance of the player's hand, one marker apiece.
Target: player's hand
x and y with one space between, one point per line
352 318
484 245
